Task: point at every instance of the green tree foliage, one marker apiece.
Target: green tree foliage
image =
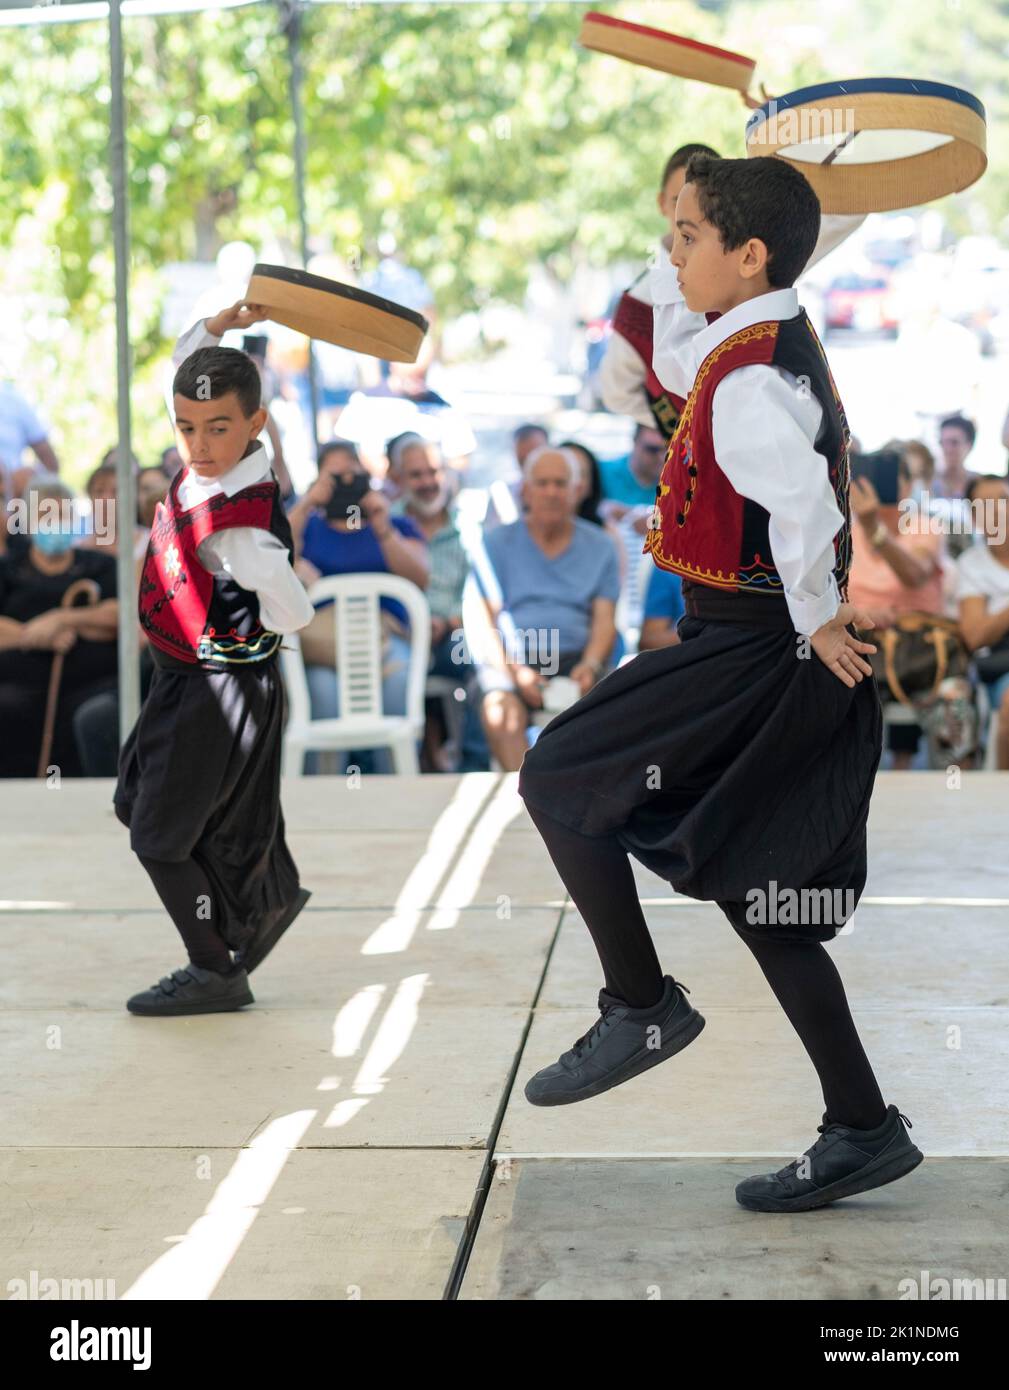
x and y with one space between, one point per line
482 136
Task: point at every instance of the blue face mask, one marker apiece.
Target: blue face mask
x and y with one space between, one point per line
54 542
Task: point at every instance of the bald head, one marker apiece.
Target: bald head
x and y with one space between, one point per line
551 457
551 484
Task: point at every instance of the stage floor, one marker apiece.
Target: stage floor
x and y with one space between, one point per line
361 1130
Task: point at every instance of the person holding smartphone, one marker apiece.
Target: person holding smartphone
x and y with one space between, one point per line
342 525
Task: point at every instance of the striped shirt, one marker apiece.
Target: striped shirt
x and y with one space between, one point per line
449 564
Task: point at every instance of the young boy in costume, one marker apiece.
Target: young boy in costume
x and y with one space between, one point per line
739 763
199 775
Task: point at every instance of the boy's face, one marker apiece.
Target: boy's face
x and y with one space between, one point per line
214 435
710 277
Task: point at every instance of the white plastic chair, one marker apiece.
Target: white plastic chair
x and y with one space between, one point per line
361 722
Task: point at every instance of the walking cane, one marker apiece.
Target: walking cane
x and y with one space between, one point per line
78 587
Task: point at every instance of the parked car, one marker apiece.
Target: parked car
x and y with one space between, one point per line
861 302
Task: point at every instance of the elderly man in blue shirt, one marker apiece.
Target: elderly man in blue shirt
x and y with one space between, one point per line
549 583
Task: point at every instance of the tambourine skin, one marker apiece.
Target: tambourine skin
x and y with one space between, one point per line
670 53
337 313
884 142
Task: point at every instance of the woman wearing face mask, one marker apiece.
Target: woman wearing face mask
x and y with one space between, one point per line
342 526
33 626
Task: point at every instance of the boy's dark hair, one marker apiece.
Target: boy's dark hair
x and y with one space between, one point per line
765 198
227 369
960 422
680 158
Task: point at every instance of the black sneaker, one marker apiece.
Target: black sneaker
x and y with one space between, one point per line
269 932
843 1161
619 1045
193 990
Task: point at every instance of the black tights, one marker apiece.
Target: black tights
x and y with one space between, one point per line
597 873
189 900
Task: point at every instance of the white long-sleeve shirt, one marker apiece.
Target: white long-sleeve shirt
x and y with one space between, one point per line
764 426
256 559
622 372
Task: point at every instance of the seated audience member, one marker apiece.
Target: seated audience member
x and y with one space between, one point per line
590 488
505 503
893 571
171 461
427 496
152 488
956 439
629 485
411 444
983 572
663 609
549 582
921 466
34 626
111 457
525 439
948 487
342 526
629 482
102 489
96 722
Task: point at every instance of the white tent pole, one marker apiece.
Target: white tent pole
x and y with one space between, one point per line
291 12
126 496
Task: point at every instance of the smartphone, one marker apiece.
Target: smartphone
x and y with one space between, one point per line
347 494
881 469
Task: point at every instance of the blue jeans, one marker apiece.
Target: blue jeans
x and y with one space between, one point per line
325 697
474 753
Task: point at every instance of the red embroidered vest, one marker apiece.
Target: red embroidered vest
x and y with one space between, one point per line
702 528
188 613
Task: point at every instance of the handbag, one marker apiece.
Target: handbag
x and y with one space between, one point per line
915 654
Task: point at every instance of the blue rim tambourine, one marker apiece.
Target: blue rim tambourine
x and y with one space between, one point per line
875 144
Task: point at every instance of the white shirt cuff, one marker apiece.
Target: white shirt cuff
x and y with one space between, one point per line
809 614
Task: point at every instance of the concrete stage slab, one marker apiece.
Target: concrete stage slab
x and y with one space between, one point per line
582 1229
332 1140
266 1221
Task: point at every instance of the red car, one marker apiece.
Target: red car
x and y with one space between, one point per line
861 302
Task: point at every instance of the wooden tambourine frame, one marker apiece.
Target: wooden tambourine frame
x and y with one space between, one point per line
337 313
654 48
875 144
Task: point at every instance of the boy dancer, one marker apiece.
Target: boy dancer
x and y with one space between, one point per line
627 381
627 378
740 762
199 776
